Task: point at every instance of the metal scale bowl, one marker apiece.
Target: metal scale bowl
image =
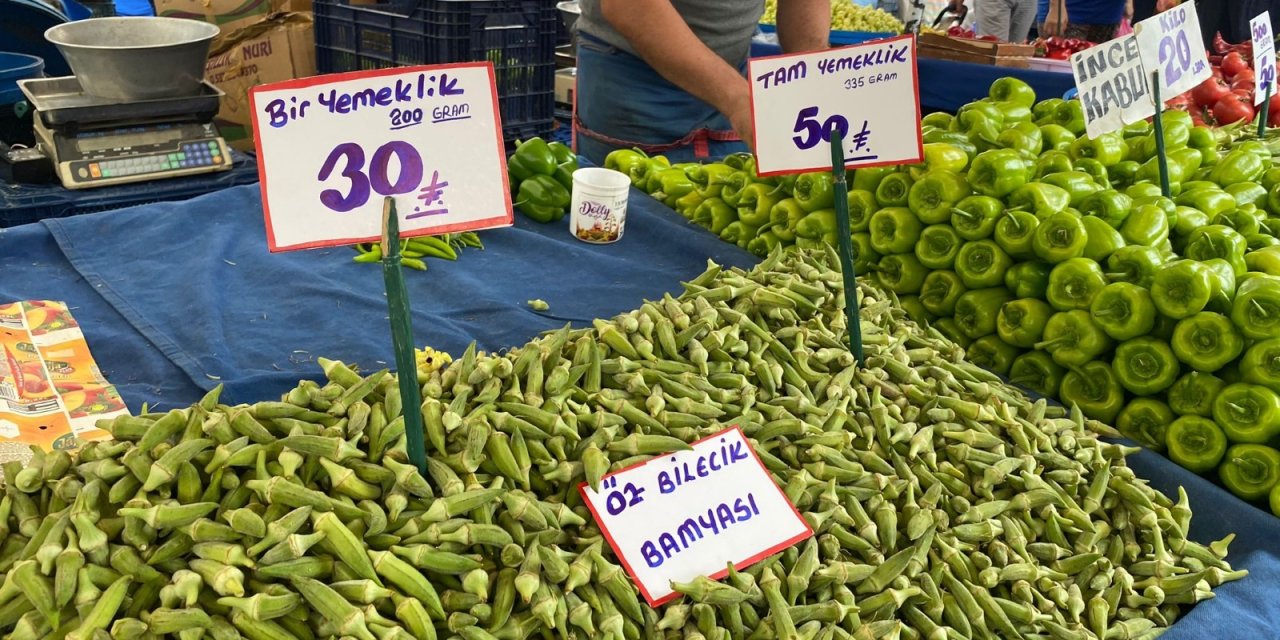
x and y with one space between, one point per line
137 107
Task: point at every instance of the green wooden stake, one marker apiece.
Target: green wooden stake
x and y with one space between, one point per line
1263 115
402 336
1161 158
852 312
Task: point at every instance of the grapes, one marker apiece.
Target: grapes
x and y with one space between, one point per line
846 16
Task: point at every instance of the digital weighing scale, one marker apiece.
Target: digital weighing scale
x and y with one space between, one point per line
95 142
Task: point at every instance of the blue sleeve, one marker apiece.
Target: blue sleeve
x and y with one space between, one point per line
1042 10
1095 11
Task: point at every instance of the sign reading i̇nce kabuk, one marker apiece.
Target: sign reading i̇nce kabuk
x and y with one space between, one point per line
1113 86
690 513
332 147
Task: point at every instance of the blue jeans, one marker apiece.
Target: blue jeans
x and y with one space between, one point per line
622 98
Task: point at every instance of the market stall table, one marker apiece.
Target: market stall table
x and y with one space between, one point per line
177 297
947 86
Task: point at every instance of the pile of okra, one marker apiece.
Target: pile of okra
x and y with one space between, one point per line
945 505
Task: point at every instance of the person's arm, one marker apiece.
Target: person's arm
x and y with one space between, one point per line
661 37
1055 22
804 25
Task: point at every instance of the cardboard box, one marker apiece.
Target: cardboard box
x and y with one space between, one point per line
281 47
229 15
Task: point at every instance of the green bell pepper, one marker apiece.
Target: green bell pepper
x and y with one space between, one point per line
934 195
643 175
1043 110
1239 165
688 203
1217 241
738 233
1181 163
1039 198
1193 394
1023 136
815 191
1258 241
1036 370
1013 91
980 128
1249 193
1078 185
1222 277
862 205
1137 265
1059 237
1123 310
1182 289
564 173
1101 174
1273 196
1103 240
711 178
1094 389
1250 470
998 172
1051 162
976 311
817 224
1211 201
1056 137
894 190
740 161
864 256
1265 260
1145 420
755 204
764 243
901 274
1146 225
915 310
938 119
950 330
1261 364
940 291
1145 366
536 156
975 217
1015 233
542 198
1122 174
1028 279
625 160
982 264
993 354
715 215
1109 205
1256 309
938 246
786 214
950 138
1073 338
940 156
561 152
1248 413
1206 341
671 184
868 179
1108 148
1196 443
733 186
1021 322
1201 137
895 230
1189 219
1070 115
1074 283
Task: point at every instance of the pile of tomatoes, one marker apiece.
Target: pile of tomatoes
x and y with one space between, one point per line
1228 96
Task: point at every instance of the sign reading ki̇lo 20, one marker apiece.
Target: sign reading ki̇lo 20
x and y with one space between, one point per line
332 147
690 513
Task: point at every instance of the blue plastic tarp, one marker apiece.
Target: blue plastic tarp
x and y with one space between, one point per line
175 297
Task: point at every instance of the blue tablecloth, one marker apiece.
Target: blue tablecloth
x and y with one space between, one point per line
174 295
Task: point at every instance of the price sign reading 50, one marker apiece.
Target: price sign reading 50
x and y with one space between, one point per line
1170 44
1264 56
849 93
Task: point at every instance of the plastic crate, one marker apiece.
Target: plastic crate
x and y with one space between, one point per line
518 36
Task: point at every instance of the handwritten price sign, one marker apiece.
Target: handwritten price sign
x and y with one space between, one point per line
867 93
690 513
330 147
1114 88
1264 56
1170 43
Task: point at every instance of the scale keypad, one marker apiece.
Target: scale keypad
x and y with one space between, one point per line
203 153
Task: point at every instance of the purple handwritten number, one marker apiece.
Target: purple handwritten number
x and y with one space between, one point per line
410 168
807 123
359 194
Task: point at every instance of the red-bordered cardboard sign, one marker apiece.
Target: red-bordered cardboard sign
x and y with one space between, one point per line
331 147
689 513
870 92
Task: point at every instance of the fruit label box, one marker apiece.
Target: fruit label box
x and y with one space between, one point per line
51 391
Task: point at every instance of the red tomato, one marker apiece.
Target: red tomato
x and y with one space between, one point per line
1273 111
1243 78
1209 92
1233 63
1233 109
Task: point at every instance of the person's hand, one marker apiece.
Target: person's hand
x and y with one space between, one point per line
739 114
1055 22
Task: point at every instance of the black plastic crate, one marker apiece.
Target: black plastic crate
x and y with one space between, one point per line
517 36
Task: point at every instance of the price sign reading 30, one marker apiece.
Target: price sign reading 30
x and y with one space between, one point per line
866 94
331 147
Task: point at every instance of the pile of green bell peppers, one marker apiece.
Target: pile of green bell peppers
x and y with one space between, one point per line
540 174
